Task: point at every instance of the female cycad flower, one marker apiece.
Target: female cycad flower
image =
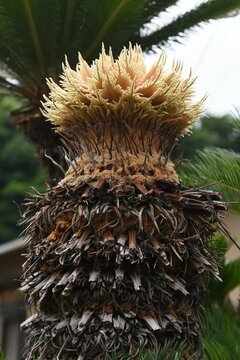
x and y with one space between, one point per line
119 248
126 90
119 104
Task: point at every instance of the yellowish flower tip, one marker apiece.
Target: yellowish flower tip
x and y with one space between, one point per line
123 90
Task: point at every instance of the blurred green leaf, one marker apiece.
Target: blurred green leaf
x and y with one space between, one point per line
221 332
219 168
19 170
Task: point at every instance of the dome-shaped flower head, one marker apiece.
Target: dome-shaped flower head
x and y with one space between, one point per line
121 101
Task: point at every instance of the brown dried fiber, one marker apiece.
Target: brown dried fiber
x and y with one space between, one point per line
118 269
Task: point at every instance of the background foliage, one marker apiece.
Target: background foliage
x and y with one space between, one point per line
218 166
211 131
18 168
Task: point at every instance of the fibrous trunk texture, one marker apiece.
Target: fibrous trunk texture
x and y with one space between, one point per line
116 264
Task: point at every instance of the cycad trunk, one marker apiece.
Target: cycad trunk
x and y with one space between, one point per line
40 132
119 249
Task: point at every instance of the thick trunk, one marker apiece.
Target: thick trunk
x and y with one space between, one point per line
117 264
40 132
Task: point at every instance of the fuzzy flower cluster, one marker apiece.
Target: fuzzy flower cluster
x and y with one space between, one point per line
123 89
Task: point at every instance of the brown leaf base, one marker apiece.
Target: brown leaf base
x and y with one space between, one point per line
113 267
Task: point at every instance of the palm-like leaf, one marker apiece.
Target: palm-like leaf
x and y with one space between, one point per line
221 333
214 350
214 165
212 9
237 120
167 351
35 35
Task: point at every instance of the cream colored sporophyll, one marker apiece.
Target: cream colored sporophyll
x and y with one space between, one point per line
117 98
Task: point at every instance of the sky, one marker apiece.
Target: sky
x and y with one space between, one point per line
213 53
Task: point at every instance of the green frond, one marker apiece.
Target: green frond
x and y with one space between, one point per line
9 88
214 350
167 351
112 22
214 165
212 9
16 47
67 25
36 34
237 121
31 34
154 8
221 332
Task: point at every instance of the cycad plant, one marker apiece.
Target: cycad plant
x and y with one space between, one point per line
118 251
